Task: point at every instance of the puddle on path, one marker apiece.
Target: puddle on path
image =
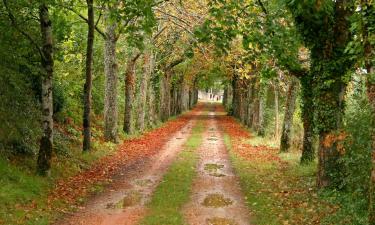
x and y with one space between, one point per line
133 198
220 221
143 183
212 167
216 201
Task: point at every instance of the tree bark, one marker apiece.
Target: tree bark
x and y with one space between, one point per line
46 143
308 153
129 93
277 117
151 98
111 80
369 56
165 97
371 97
250 104
260 128
288 116
331 63
235 102
225 96
88 82
144 87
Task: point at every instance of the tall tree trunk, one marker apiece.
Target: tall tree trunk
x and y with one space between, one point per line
288 116
191 98
225 95
369 56
46 143
331 63
129 93
255 107
144 87
261 128
235 102
241 105
250 104
308 153
165 97
111 80
371 97
88 82
277 117
151 98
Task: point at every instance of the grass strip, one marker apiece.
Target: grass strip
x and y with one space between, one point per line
279 192
175 188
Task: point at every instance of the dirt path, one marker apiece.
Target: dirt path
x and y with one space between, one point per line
216 195
123 203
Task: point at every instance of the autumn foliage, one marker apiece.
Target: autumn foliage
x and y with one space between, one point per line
127 154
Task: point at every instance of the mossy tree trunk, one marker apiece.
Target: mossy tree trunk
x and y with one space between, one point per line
330 65
308 153
290 104
276 105
370 73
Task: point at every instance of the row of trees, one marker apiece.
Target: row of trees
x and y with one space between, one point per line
151 41
319 44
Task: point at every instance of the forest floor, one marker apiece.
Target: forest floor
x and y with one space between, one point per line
201 168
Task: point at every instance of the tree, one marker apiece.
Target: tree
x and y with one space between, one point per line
129 92
46 61
88 83
327 36
288 116
111 77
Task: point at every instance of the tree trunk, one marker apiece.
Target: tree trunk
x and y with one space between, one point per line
277 117
144 87
371 97
225 96
165 97
255 110
191 98
129 93
261 128
288 116
235 102
308 154
111 80
250 104
369 56
46 143
151 98
331 63
241 105
88 82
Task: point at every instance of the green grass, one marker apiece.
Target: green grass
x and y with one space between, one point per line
279 193
17 188
23 194
174 190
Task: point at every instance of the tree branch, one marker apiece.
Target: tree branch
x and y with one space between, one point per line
24 33
262 6
86 20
